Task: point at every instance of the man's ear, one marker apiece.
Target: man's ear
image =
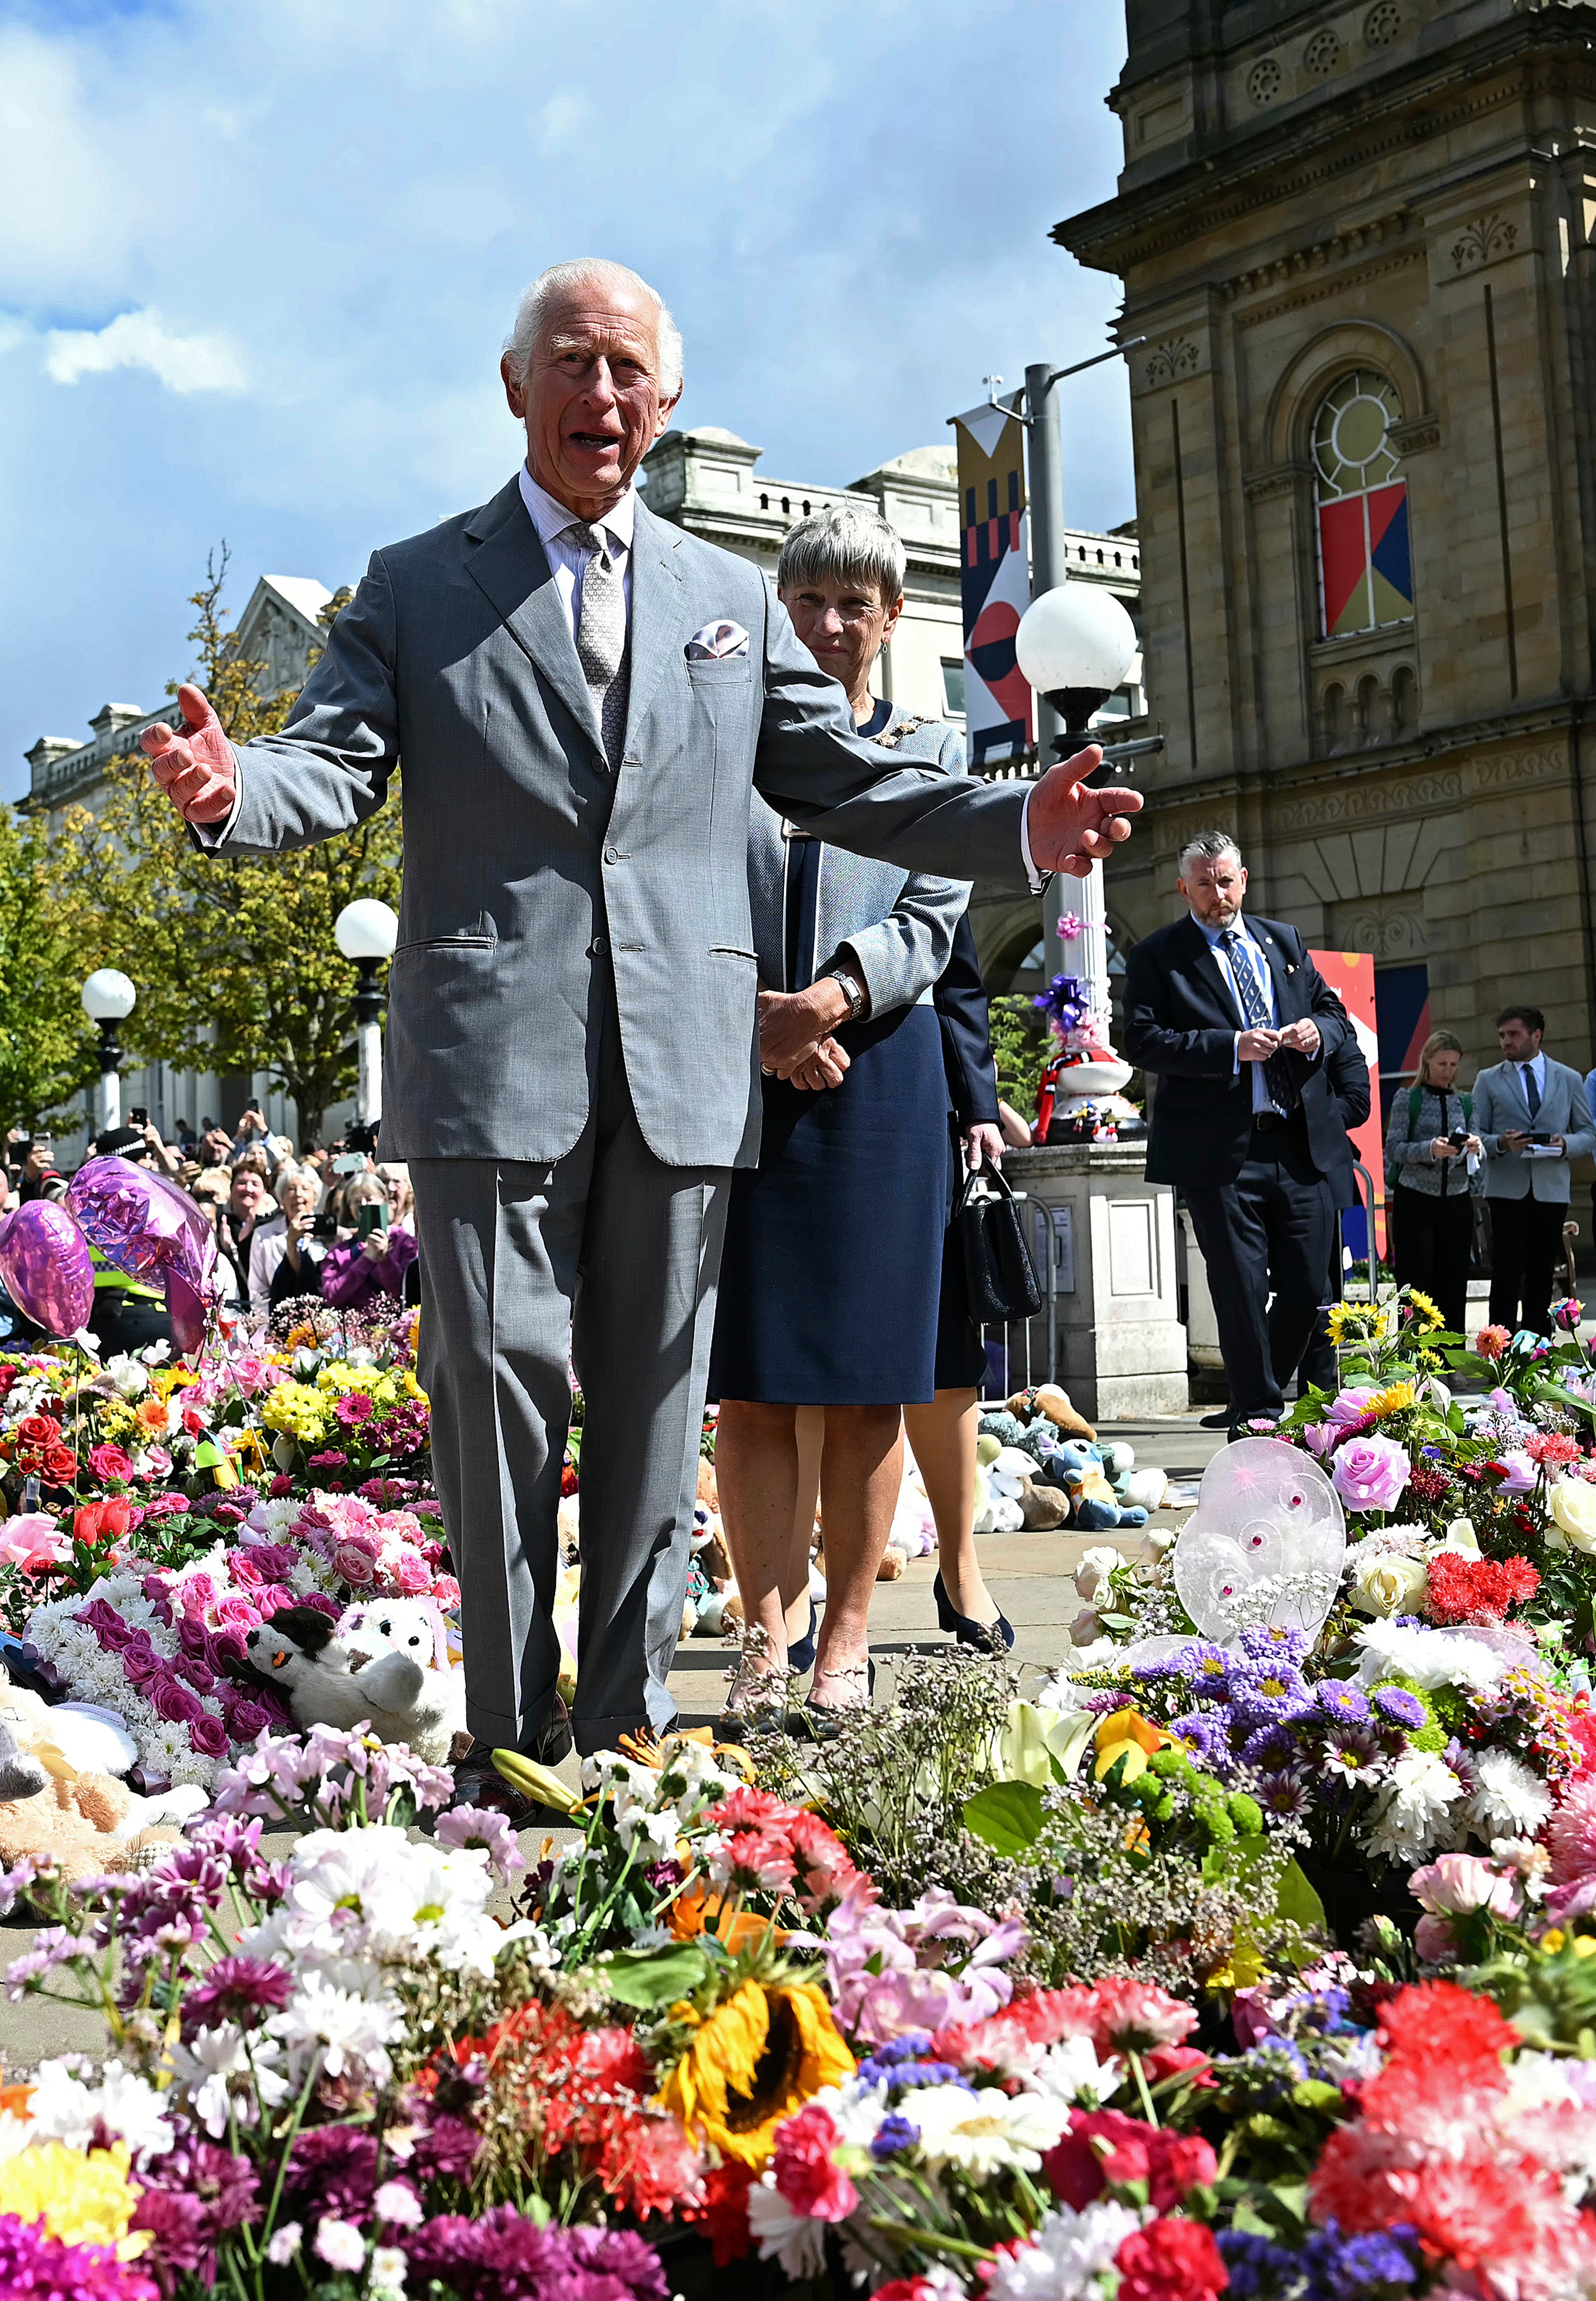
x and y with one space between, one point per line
514 390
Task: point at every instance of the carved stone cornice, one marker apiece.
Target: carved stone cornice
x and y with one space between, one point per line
1414 433
1282 270
1280 480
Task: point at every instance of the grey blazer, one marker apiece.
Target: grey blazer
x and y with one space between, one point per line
898 924
1501 1108
531 872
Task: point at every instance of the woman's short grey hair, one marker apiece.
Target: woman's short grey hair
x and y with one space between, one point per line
1207 847
846 543
581 273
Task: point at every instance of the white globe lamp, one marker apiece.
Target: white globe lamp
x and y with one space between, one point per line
1074 645
109 999
366 932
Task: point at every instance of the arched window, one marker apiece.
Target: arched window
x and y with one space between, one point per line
1365 575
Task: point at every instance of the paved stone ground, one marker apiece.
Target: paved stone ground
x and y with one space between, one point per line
1028 1574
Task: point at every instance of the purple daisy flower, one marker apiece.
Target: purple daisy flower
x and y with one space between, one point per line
1269 1690
1285 1795
1351 1752
1272 1642
1337 1699
1207 1666
1402 1708
1199 1734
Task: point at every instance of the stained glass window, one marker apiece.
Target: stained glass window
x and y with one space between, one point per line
1365 572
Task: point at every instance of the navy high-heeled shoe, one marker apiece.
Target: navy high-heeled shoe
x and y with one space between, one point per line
800 1655
986 1638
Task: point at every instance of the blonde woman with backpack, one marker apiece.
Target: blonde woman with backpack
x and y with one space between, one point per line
1429 1145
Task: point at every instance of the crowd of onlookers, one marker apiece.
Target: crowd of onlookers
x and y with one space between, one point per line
335 1223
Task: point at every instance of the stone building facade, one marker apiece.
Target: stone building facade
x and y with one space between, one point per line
1358 243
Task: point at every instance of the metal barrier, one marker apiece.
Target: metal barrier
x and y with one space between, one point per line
1025 1358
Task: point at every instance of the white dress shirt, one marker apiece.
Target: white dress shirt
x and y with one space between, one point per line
567 558
1251 957
1537 1064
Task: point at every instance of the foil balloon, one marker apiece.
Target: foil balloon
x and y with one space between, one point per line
186 1308
1266 1543
45 1266
140 1222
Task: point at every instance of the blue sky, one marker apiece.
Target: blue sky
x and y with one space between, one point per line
256 261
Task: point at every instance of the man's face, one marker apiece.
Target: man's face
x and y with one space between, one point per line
1213 887
590 398
1518 1044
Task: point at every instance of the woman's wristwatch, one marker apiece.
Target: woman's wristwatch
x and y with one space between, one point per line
851 991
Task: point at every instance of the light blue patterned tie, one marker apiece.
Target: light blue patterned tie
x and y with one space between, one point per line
1277 1071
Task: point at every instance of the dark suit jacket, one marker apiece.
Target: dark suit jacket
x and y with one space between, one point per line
960 1000
1348 1076
1181 1024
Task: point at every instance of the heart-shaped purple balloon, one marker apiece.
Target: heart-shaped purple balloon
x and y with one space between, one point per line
141 1223
186 1308
44 1263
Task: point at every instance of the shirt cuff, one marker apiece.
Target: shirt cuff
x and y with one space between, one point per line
1236 1063
1041 881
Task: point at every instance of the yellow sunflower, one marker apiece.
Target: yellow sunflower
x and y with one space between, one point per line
1397 1400
1357 1322
753 2062
1426 1310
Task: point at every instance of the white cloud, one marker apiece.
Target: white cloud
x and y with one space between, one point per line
559 123
183 363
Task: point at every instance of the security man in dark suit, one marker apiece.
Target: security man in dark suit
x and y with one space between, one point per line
1238 1024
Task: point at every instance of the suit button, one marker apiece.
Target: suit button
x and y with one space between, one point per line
612 855
598 946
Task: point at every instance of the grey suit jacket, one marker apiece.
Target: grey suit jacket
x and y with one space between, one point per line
1501 1108
531 872
898 924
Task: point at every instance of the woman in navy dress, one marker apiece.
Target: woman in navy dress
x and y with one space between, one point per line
831 1274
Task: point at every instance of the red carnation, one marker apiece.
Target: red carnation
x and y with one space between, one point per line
1553 1446
1478 1589
1171 2260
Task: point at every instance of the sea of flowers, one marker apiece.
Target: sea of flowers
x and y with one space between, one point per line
1264 1966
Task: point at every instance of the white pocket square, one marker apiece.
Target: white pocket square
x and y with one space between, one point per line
716 641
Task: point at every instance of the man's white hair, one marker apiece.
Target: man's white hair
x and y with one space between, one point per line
1206 847
584 273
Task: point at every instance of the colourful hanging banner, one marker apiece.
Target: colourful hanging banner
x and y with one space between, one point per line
995 577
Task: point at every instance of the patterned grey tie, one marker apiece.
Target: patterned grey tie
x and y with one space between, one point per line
601 636
1277 1071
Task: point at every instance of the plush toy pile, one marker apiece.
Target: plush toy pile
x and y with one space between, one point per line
1042 1468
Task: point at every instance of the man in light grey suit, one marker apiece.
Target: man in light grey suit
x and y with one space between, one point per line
581 697
1532 1116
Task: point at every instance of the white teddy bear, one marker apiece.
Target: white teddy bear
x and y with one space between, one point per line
414 1626
403 1699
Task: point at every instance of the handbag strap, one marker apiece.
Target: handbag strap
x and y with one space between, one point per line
985 1179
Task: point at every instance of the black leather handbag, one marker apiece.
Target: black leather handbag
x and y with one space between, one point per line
999 1271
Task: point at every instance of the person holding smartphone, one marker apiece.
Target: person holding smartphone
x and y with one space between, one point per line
371 1254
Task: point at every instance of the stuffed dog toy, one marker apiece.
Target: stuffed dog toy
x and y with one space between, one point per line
297 1652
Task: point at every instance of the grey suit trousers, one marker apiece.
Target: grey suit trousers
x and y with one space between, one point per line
607 1259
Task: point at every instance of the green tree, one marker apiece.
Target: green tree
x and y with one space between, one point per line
1023 1046
235 960
48 1048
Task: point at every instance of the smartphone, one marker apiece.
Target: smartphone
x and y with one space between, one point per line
350 1162
1540 1138
369 1220
138 1116
45 1144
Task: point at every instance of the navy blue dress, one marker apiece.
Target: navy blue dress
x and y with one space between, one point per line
961 1004
832 1264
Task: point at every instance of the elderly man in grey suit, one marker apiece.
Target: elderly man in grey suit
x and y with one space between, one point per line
581 697
1532 1116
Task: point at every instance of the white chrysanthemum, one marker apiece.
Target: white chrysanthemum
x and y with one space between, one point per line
652 1835
1509 1798
63 2106
987 2132
1067 2257
799 2243
1414 1807
131 1378
339 2244
218 2063
349 2032
371 1894
1430 1658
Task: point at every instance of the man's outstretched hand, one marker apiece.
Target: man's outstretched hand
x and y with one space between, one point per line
196 767
1071 823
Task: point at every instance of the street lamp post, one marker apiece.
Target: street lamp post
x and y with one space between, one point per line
367 932
1075 643
108 1000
